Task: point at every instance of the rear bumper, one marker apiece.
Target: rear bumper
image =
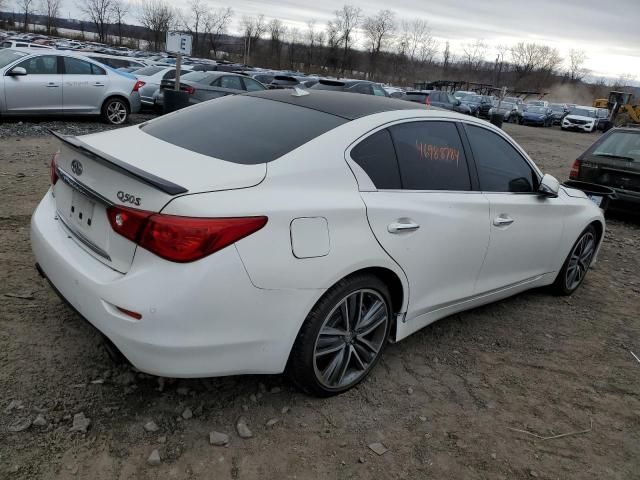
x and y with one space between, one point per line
134 102
199 319
626 196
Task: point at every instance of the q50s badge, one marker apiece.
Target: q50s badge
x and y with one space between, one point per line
128 198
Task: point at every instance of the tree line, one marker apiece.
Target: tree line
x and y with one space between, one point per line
378 46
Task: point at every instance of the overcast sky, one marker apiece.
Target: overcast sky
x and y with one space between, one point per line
606 30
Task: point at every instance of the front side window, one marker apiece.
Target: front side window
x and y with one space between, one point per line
377 157
431 156
44 65
501 168
379 91
75 66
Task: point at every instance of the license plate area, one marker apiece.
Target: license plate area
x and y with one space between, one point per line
81 210
597 199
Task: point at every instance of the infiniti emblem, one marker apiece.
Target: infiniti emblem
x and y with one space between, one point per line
76 167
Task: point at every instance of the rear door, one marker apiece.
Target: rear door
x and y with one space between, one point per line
425 212
39 91
85 86
526 228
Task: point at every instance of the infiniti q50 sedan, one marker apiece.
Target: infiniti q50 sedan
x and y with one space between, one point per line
301 234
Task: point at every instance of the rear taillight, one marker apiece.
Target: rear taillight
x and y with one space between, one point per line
189 89
53 168
575 170
181 239
139 84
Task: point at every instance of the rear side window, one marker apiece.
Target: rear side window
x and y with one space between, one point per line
430 156
231 82
377 157
148 71
74 66
239 129
251 85
500 167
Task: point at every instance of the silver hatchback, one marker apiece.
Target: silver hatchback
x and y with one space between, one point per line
59 83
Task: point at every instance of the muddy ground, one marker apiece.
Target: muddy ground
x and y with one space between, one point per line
445 402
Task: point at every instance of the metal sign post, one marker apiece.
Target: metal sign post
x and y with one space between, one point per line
180 44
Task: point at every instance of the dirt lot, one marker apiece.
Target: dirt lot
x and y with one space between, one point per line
444 401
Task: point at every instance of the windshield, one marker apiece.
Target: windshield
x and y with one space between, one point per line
620 144
534 109
583 112
556 107
506 106
7 56
536 103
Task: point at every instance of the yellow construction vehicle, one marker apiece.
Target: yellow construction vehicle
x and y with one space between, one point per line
621 110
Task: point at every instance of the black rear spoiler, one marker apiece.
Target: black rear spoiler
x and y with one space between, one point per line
107 160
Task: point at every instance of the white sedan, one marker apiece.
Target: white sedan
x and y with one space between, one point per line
299 231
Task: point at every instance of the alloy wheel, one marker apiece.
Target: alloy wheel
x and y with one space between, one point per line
580 260
116 112
350 339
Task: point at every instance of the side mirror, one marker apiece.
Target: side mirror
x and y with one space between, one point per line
17 72
549 186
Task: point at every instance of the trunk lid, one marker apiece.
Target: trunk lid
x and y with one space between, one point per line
131 168
611 172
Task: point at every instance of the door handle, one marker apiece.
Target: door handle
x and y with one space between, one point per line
51 84
502 221
402 227
98 84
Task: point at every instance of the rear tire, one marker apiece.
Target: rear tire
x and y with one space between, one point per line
115 111
577 264
331 354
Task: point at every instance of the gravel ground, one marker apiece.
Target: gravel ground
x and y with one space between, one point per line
452 401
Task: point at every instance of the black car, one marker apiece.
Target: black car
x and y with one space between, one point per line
479 104
202 86
354 86
613 161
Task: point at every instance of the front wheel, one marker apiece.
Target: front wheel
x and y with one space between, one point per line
343 337
115 111
577 263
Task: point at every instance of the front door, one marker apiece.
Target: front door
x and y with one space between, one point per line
526 228
429 219
39 91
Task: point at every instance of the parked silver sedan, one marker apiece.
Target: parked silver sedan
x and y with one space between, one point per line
63 83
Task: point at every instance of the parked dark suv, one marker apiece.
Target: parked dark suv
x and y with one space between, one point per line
613 161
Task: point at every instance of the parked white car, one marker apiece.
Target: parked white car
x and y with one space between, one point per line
24 44
299 231
52 82
152 77
581 118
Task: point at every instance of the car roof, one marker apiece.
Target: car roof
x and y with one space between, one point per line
346 105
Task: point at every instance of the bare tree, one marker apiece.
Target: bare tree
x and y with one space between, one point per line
311 41
194 22
99 13
158 17
473 54
216 23
501 53
120 10
346 21
51 10
26 8
252 28
378 31
293 42
277 31
576 65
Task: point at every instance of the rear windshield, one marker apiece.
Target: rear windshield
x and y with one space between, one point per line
242 129
620 144
148 71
